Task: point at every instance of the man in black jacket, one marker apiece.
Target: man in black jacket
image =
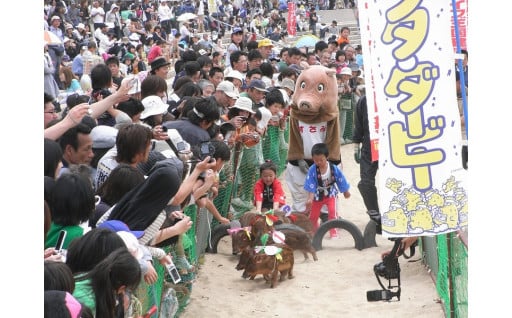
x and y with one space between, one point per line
363 156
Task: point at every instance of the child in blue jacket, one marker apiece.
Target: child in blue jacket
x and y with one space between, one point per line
323 182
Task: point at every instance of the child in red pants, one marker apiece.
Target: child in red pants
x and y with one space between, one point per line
323 182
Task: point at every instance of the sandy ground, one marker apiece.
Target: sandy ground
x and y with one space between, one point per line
333 286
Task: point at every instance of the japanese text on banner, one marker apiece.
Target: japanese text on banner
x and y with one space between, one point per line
409 68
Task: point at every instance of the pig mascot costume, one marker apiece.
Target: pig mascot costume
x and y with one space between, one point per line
313 119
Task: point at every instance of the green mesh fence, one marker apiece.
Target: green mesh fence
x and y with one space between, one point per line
249 171
283 149
442 282
459 266
150 295
349 125
446 256
184 288
275 146
223 199
203 229
189 240
233 190
270 144
238 177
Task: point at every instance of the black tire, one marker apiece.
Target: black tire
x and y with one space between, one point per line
370 231
338 224
288 226
218 232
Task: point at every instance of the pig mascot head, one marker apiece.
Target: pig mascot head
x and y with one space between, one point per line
314 115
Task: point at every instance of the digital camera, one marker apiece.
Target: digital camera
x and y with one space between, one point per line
206 149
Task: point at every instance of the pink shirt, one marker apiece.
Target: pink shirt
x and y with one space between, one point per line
154 52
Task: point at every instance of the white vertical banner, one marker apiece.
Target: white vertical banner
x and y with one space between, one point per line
413 113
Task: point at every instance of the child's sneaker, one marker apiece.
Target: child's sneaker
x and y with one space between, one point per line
333 233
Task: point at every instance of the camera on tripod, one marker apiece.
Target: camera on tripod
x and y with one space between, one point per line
389 268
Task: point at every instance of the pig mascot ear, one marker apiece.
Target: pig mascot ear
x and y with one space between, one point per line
330 71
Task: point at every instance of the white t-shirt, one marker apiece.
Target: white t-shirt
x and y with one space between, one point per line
164 13
98 15
200 8
106 164
184 31
105 42
231 48
311 135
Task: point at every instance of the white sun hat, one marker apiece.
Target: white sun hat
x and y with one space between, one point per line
153 105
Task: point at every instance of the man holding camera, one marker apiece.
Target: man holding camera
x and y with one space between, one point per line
368 170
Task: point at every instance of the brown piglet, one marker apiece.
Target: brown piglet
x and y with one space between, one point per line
270 266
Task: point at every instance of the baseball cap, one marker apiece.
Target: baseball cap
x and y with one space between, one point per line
103 137
228 88
237 30
117 226
265 42
297 68
258 84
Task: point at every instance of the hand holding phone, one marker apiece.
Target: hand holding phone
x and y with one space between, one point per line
173 272
59 250
60 241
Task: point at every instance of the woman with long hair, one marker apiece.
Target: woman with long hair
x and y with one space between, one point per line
120 181
107 288
69 80
237 44
142 209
